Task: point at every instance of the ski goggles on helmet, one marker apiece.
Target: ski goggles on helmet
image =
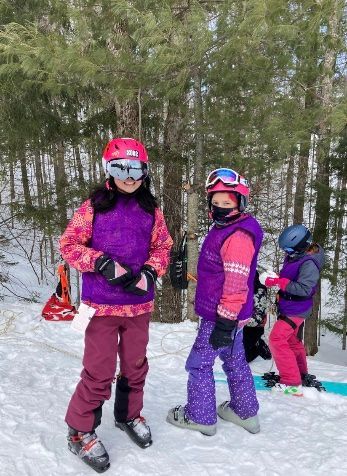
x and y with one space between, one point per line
288 250
123 169
227 176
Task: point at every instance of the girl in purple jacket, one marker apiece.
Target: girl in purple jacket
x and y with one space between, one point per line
297 282
224 302
118 239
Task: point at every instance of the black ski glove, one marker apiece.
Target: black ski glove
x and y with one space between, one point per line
114 272
142 282
223 333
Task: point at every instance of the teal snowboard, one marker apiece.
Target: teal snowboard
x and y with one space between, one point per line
340 388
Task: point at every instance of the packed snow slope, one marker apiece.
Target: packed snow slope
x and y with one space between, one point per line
40 364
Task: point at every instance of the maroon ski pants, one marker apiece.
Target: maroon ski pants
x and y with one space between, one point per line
104 338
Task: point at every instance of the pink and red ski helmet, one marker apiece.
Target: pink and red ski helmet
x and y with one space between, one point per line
227 180
124 148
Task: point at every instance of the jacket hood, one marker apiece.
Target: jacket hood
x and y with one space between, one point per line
318 258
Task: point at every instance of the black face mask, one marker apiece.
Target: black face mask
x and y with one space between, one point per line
220 215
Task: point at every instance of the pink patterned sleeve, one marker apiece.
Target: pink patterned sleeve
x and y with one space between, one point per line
74 241
237 253
161 243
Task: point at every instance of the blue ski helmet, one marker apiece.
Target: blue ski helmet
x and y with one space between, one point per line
295 239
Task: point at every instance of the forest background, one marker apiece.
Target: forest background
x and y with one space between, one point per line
258 85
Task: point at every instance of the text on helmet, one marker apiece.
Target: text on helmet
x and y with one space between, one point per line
132 153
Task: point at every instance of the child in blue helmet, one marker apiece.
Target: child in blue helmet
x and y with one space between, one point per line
298 282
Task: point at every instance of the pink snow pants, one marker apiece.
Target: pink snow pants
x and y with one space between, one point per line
288 351
100 363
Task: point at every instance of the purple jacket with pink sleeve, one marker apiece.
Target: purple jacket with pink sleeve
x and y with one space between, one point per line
211 273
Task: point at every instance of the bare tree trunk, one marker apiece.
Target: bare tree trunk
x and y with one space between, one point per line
323 155
339 229
193 198
320 234
46 202
337 208
310 335
25 180
127 118
171 299
311 215
139 104
322 207
192 247
77 154
344 322
45 187
12 192
42 260
299 199
39 179
52 250
61 185
307 64
289 190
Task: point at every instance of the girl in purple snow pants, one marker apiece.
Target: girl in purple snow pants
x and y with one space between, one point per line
201 406
226 271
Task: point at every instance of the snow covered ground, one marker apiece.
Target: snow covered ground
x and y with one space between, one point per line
39 368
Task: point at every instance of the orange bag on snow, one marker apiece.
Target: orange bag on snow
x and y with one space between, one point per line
59 307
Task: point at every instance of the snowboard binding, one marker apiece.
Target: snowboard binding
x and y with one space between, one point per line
271 378
308 380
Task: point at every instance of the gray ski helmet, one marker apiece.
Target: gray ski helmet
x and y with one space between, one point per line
295 239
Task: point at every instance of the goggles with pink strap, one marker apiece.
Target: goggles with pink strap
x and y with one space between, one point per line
227 176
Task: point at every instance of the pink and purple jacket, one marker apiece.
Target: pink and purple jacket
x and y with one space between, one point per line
76 247
226 271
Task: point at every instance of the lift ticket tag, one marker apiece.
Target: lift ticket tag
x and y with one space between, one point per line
82 317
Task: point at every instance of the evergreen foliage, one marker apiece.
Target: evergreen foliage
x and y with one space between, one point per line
271 75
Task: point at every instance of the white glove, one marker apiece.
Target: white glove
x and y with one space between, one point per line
267 274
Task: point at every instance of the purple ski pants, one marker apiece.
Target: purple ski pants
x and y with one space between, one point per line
201 405
100 363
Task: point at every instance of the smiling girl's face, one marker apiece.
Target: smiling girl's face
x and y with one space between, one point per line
127 186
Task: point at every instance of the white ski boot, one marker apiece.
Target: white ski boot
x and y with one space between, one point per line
295 390
226 413
177 417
